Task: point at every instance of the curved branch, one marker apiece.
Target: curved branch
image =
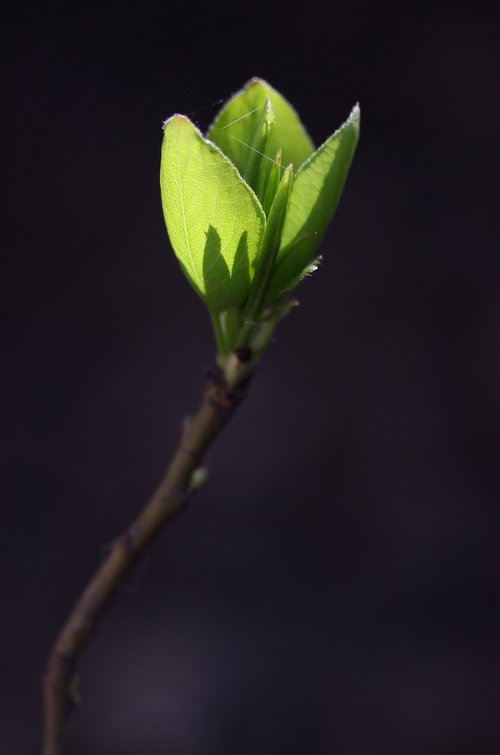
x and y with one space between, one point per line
169 498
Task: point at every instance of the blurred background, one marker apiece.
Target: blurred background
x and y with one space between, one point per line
334 588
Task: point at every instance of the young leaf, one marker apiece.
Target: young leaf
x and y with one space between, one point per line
235 126
314 198
214 220
256 165
270 187
270 246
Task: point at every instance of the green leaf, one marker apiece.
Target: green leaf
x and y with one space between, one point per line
214 220
314 198
270 187
235 127
270 246
256 165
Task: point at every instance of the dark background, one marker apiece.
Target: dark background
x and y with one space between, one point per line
334 587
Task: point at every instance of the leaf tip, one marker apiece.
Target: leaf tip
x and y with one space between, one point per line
176 118
255 80
355 115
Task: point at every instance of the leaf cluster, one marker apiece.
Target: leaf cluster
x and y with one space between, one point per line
246 207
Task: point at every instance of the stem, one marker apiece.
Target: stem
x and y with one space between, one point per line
170 497
220 339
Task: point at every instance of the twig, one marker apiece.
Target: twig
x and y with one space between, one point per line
174 490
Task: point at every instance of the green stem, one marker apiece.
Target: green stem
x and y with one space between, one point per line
220 338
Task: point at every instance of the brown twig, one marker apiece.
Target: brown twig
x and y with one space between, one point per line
170 497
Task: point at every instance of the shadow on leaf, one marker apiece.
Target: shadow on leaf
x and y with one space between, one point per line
225 289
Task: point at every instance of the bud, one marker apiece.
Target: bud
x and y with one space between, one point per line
246 228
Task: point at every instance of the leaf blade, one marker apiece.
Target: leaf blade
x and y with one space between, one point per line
314 199
235 125
208 211
270 246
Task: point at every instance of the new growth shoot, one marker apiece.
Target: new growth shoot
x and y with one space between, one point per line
246 207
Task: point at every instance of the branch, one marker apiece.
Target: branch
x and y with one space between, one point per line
219 403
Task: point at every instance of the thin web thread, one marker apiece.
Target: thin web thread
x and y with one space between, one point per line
252 148
242 117
206 107
237 120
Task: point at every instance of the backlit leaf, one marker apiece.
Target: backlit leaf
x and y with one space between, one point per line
213 218
235 127
271 242
314 198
